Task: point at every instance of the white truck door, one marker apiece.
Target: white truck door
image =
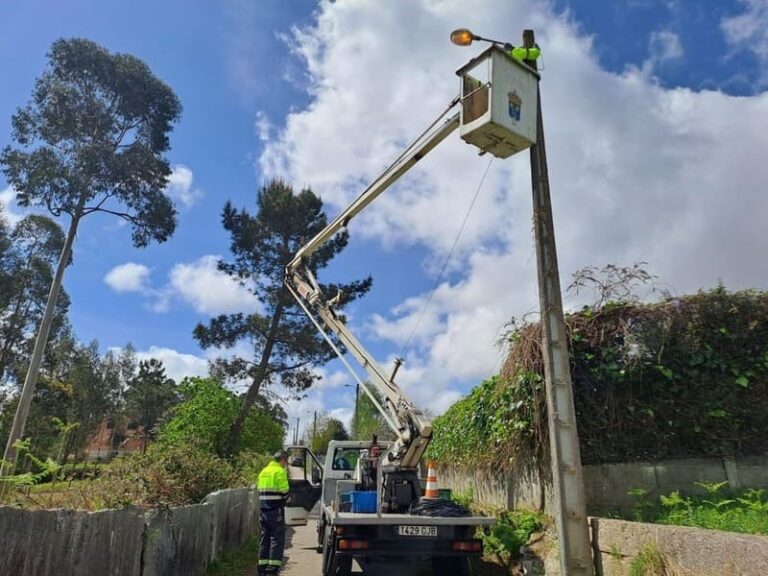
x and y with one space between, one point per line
305 478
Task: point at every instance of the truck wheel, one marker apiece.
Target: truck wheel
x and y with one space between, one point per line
320 535
446 566
345 566
326 556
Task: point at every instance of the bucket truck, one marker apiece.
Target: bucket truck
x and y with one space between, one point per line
390 526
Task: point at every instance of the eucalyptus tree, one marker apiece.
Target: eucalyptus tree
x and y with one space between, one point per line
91 139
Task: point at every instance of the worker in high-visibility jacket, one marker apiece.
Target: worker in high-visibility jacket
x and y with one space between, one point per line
273 496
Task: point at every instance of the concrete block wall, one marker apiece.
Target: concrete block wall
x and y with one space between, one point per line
607 485
178 541
71 542
232 517
686 551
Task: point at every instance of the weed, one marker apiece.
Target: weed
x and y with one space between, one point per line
237 561
649 562
512 530
615 552
745 511
463 497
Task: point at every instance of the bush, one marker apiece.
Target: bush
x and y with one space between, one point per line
512 530
249 464
686 377
166 475
206 414
744 511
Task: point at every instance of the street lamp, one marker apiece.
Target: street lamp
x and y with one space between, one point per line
357 401
465 37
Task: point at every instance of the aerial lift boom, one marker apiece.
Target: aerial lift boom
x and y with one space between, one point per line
412 428
496 117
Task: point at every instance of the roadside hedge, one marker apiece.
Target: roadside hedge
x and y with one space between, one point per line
682 378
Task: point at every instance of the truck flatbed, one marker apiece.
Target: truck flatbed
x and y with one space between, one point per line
350 518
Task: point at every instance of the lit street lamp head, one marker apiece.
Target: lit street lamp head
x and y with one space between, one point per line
462 37
465 37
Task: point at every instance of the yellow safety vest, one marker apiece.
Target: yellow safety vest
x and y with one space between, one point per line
273 483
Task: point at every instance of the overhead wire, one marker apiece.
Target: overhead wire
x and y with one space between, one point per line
446 261
424 133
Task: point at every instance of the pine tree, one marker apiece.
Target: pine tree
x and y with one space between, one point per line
285 345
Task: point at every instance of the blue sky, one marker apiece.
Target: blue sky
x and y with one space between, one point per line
652 108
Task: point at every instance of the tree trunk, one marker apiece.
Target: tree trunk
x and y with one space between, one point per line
258 380
27 392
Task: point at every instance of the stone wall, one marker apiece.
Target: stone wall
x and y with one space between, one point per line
683 551
179 541
607 485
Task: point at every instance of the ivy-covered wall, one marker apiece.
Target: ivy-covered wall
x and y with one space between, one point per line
686 377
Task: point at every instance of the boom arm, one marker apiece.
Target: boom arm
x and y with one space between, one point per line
373 191
413 429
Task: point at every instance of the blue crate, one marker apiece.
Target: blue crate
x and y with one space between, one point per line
363 502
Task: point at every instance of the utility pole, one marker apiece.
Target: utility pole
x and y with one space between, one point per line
314 431
571 515
357 406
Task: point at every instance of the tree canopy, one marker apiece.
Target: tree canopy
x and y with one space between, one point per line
368 422
285 345
92 139
207 411
26 272
149 395
326 429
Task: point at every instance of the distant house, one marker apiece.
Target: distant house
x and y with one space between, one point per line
109 441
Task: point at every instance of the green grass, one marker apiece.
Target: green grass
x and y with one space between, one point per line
238 562
744 511
649 562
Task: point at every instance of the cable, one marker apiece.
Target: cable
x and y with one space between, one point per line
424 132
447 260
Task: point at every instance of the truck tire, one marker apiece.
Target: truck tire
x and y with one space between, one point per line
446 566
345 566
326 555
333 564
320 535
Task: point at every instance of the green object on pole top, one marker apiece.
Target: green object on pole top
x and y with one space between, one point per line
521 53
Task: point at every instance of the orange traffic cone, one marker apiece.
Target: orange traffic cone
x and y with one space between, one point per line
431 492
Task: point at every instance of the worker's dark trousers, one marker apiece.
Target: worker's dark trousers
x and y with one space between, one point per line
272 540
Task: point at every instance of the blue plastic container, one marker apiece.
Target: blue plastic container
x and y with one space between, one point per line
363 502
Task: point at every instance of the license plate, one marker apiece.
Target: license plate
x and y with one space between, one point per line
421 531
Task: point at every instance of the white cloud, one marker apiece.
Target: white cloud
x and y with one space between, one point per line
638 172
181 186
748 31
199 284
128 277
663 46
8 205
178 365
263 126
209 290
